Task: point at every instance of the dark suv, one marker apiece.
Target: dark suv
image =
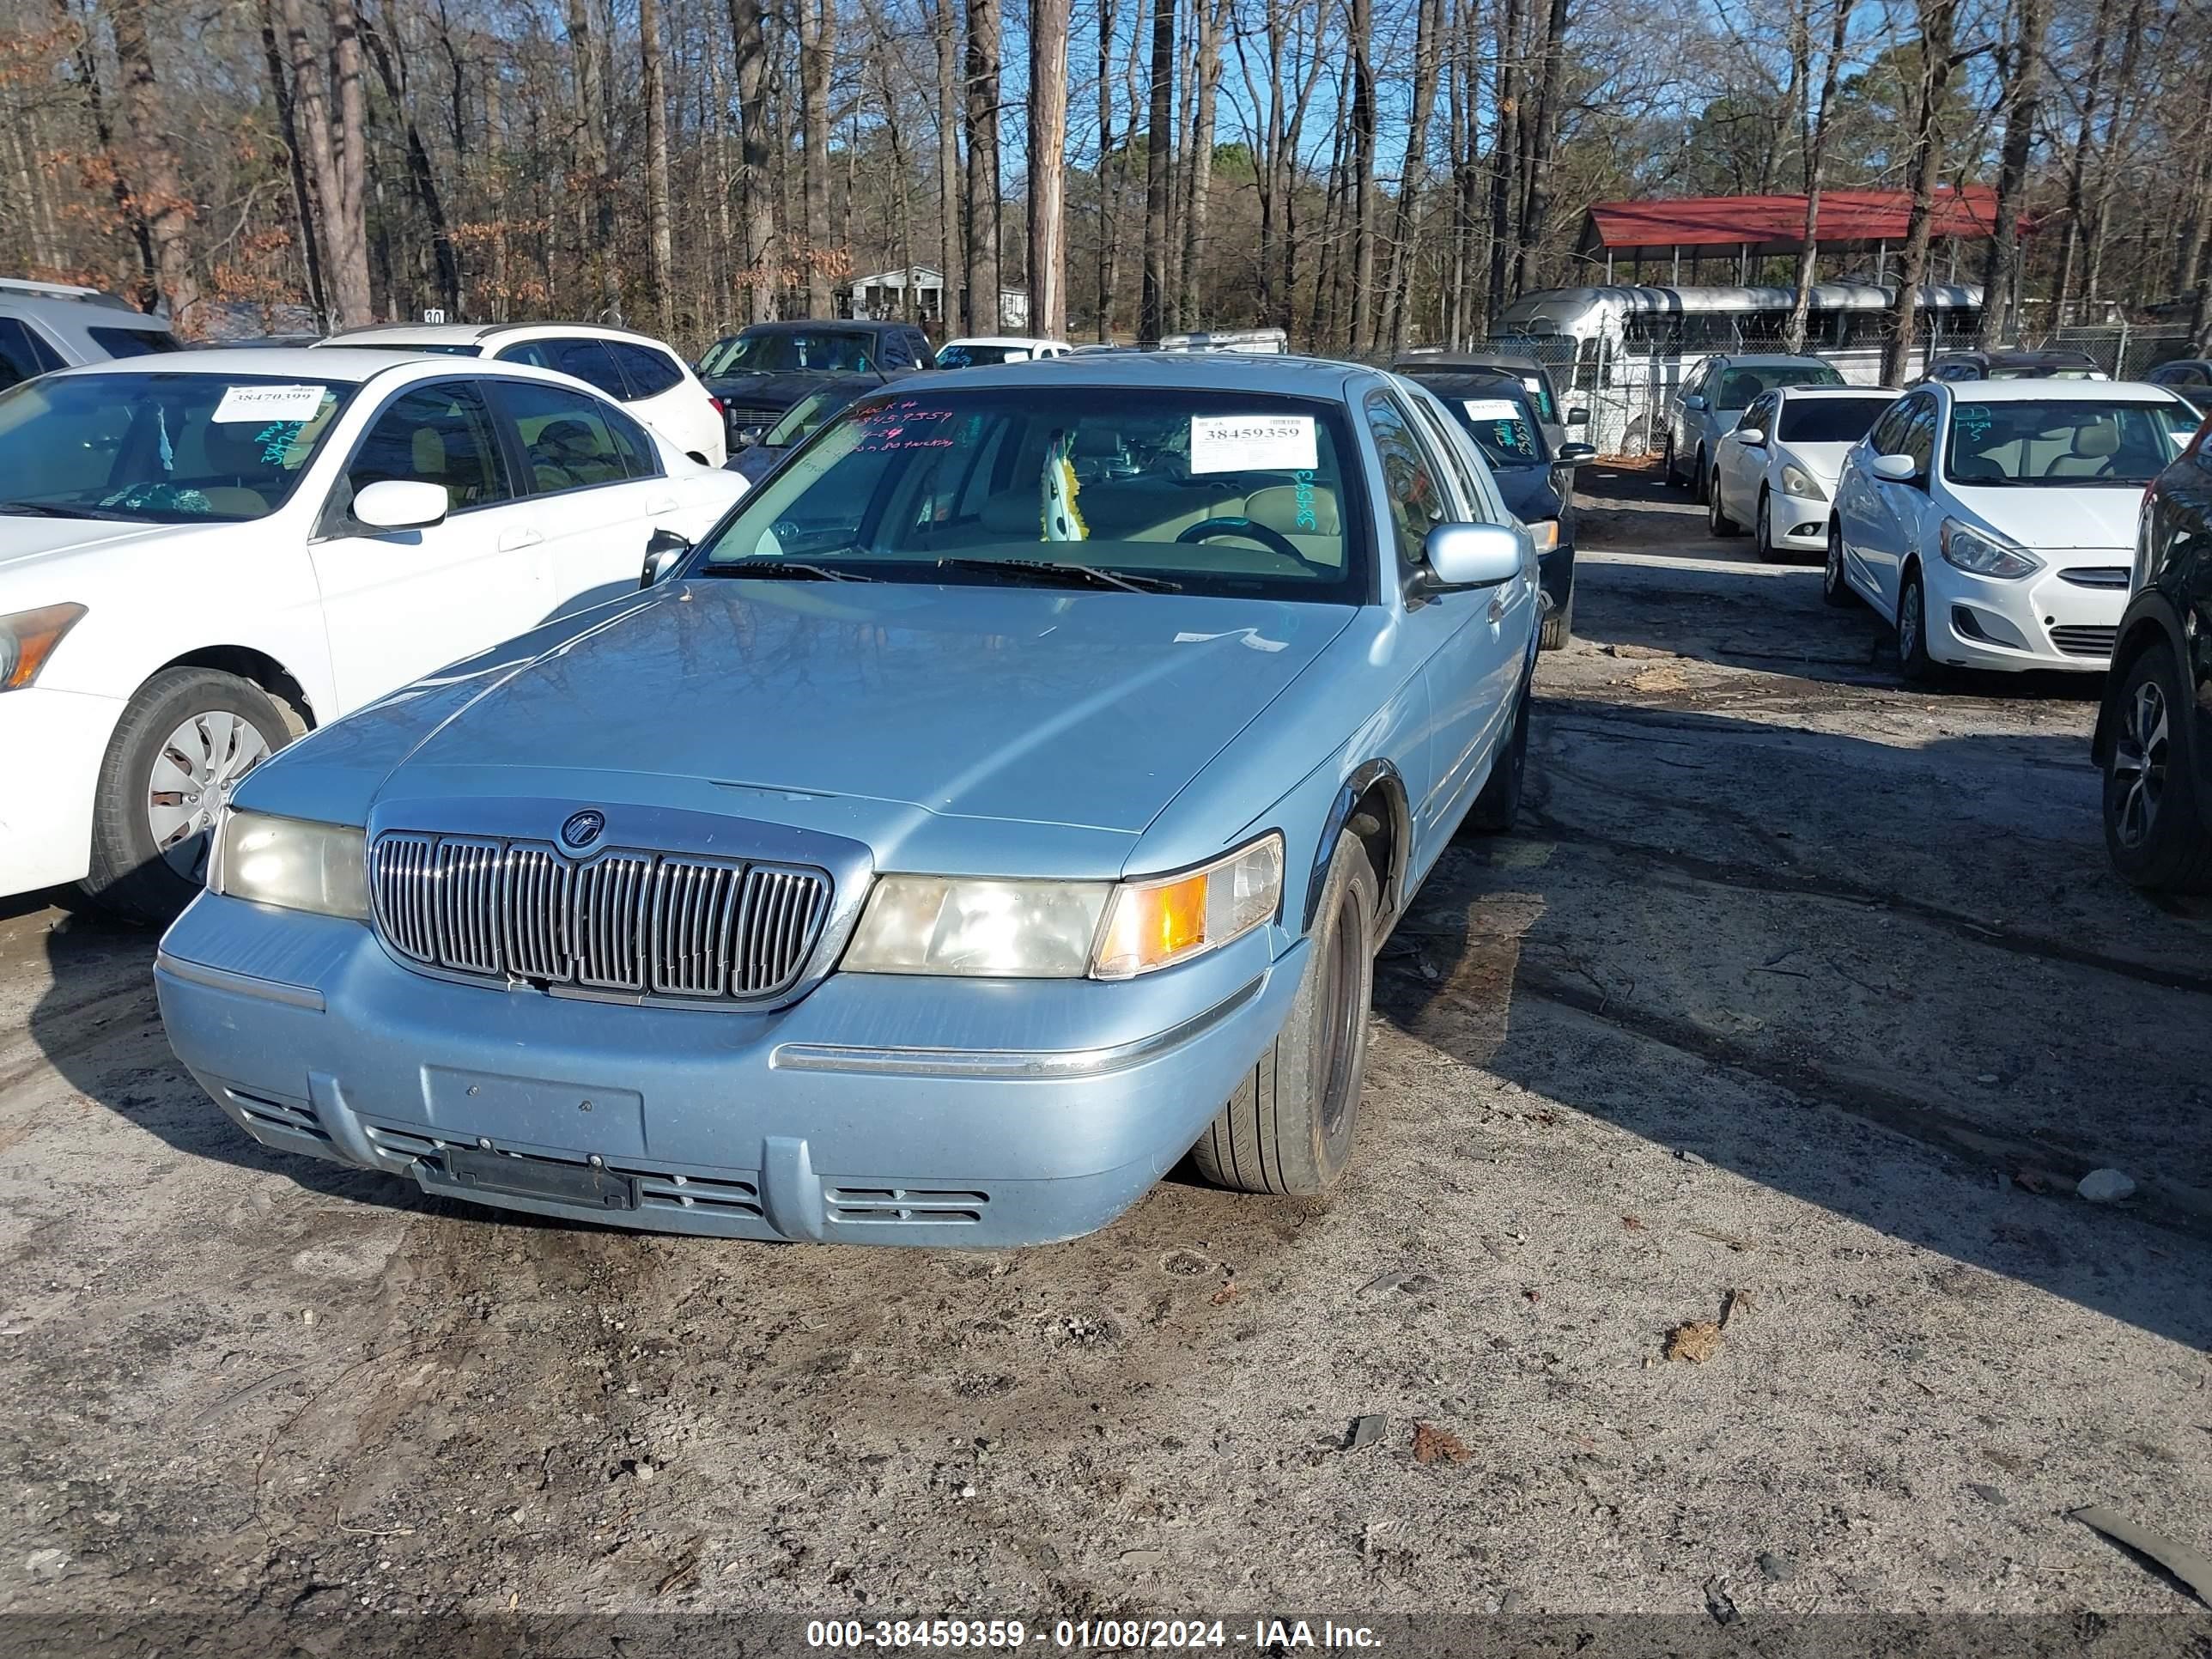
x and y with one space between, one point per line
760 372
2154 731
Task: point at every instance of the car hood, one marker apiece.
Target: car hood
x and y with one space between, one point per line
2102 516
1824 461
25 540
803 702
1527 492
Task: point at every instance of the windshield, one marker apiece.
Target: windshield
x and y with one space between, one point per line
804 418
1740 385
1829 420
2063 444
165 448
1502 426
791 351
965 353
1215 492
1540 394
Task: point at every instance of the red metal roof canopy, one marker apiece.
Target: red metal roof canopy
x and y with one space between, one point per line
1776 224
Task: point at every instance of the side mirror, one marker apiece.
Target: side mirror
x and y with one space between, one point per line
663 553
1579 417
1693 401
400 504
1472 556
1895 469
1574 454
1751 437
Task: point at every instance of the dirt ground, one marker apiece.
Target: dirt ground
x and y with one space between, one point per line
1798 994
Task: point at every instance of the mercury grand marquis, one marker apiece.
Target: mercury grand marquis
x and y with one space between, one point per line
1002 805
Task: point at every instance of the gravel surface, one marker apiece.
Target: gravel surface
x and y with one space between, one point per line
1713 1233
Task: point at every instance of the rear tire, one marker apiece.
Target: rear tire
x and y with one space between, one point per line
1833 588
1667 475
201 731
1289 1128
2156 825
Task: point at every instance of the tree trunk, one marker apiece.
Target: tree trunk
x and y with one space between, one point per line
1213 19
1427 29
336 160
1158 143
1541 139
590 103
2078 172
86 58
1816 151
1937 20
420 178
2125 103
982 66
817 46
1108 180
1364 193
1049 21
952 245
660 229
303 199
1504 154
2022 96
755 211
158 191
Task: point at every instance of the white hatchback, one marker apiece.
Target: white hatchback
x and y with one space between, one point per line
637 371
1994 521
203 555
1775 475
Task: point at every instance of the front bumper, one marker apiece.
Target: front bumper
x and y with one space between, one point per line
879 1109
55 742
2044 622
1798 523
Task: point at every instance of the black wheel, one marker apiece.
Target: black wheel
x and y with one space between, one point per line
2155 826
1833 588
1715 514
184 740
1498 808
1698 474
1558 625
1912 632
1289 1127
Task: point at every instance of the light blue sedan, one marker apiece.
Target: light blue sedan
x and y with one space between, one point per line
1005 803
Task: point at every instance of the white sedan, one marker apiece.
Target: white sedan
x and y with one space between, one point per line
202 555
1994 521
1776 473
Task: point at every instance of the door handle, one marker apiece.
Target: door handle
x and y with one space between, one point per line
521 537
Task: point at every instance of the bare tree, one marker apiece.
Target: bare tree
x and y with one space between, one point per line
1364 211
1159 143
1540 135
817 44
2022 101
982 76
658 230
1049 21
756 211
1109 177
1814 136
1938 21
1212 17
2078 172
158 195
590 51
337 160
1428 29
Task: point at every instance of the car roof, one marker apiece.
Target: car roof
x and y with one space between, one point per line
1414 362
1800 394
2034 391
1424 374
1272 374
62 298
794 325
308 362
1003 340
404 334
1768 359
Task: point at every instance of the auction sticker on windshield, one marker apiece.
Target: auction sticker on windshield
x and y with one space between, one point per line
1490 409
1251 443
242 404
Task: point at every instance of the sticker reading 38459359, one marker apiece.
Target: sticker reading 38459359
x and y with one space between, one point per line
1251 443
242 404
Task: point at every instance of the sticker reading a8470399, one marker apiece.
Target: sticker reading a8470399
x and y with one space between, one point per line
1251 443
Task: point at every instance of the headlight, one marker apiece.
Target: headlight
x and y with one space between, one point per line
1544 532
289 861
956 925
1982 554
1155 923
28 637
1796 480
988 928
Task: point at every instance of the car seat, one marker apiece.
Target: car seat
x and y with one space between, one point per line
2090 454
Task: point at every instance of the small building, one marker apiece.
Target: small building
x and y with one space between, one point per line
881 297
1742 231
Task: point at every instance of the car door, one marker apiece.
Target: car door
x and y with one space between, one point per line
1741 465
1460 637
398 603
595 487
1896 509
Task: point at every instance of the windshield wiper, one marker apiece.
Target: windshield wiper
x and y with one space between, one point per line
1088 575
49 510
789 569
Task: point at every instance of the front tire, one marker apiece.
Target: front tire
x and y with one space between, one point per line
2154 818
1913 655
1558 625
1289 1128
1833 588
1762 529
184 739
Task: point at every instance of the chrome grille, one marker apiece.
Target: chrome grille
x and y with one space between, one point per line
627 921
2099 575
2084 641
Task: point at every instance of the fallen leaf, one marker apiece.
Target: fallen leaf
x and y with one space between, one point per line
1227 1294
1632 1224
1435 1445
1733 1303
1696 1342
1532 1295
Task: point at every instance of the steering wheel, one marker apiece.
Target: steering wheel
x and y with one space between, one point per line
1274 540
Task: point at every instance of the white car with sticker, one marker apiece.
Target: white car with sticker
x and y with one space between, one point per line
201 554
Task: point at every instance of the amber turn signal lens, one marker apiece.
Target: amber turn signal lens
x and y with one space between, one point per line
28 638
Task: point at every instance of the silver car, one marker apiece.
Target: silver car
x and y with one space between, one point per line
1713 399
49 325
